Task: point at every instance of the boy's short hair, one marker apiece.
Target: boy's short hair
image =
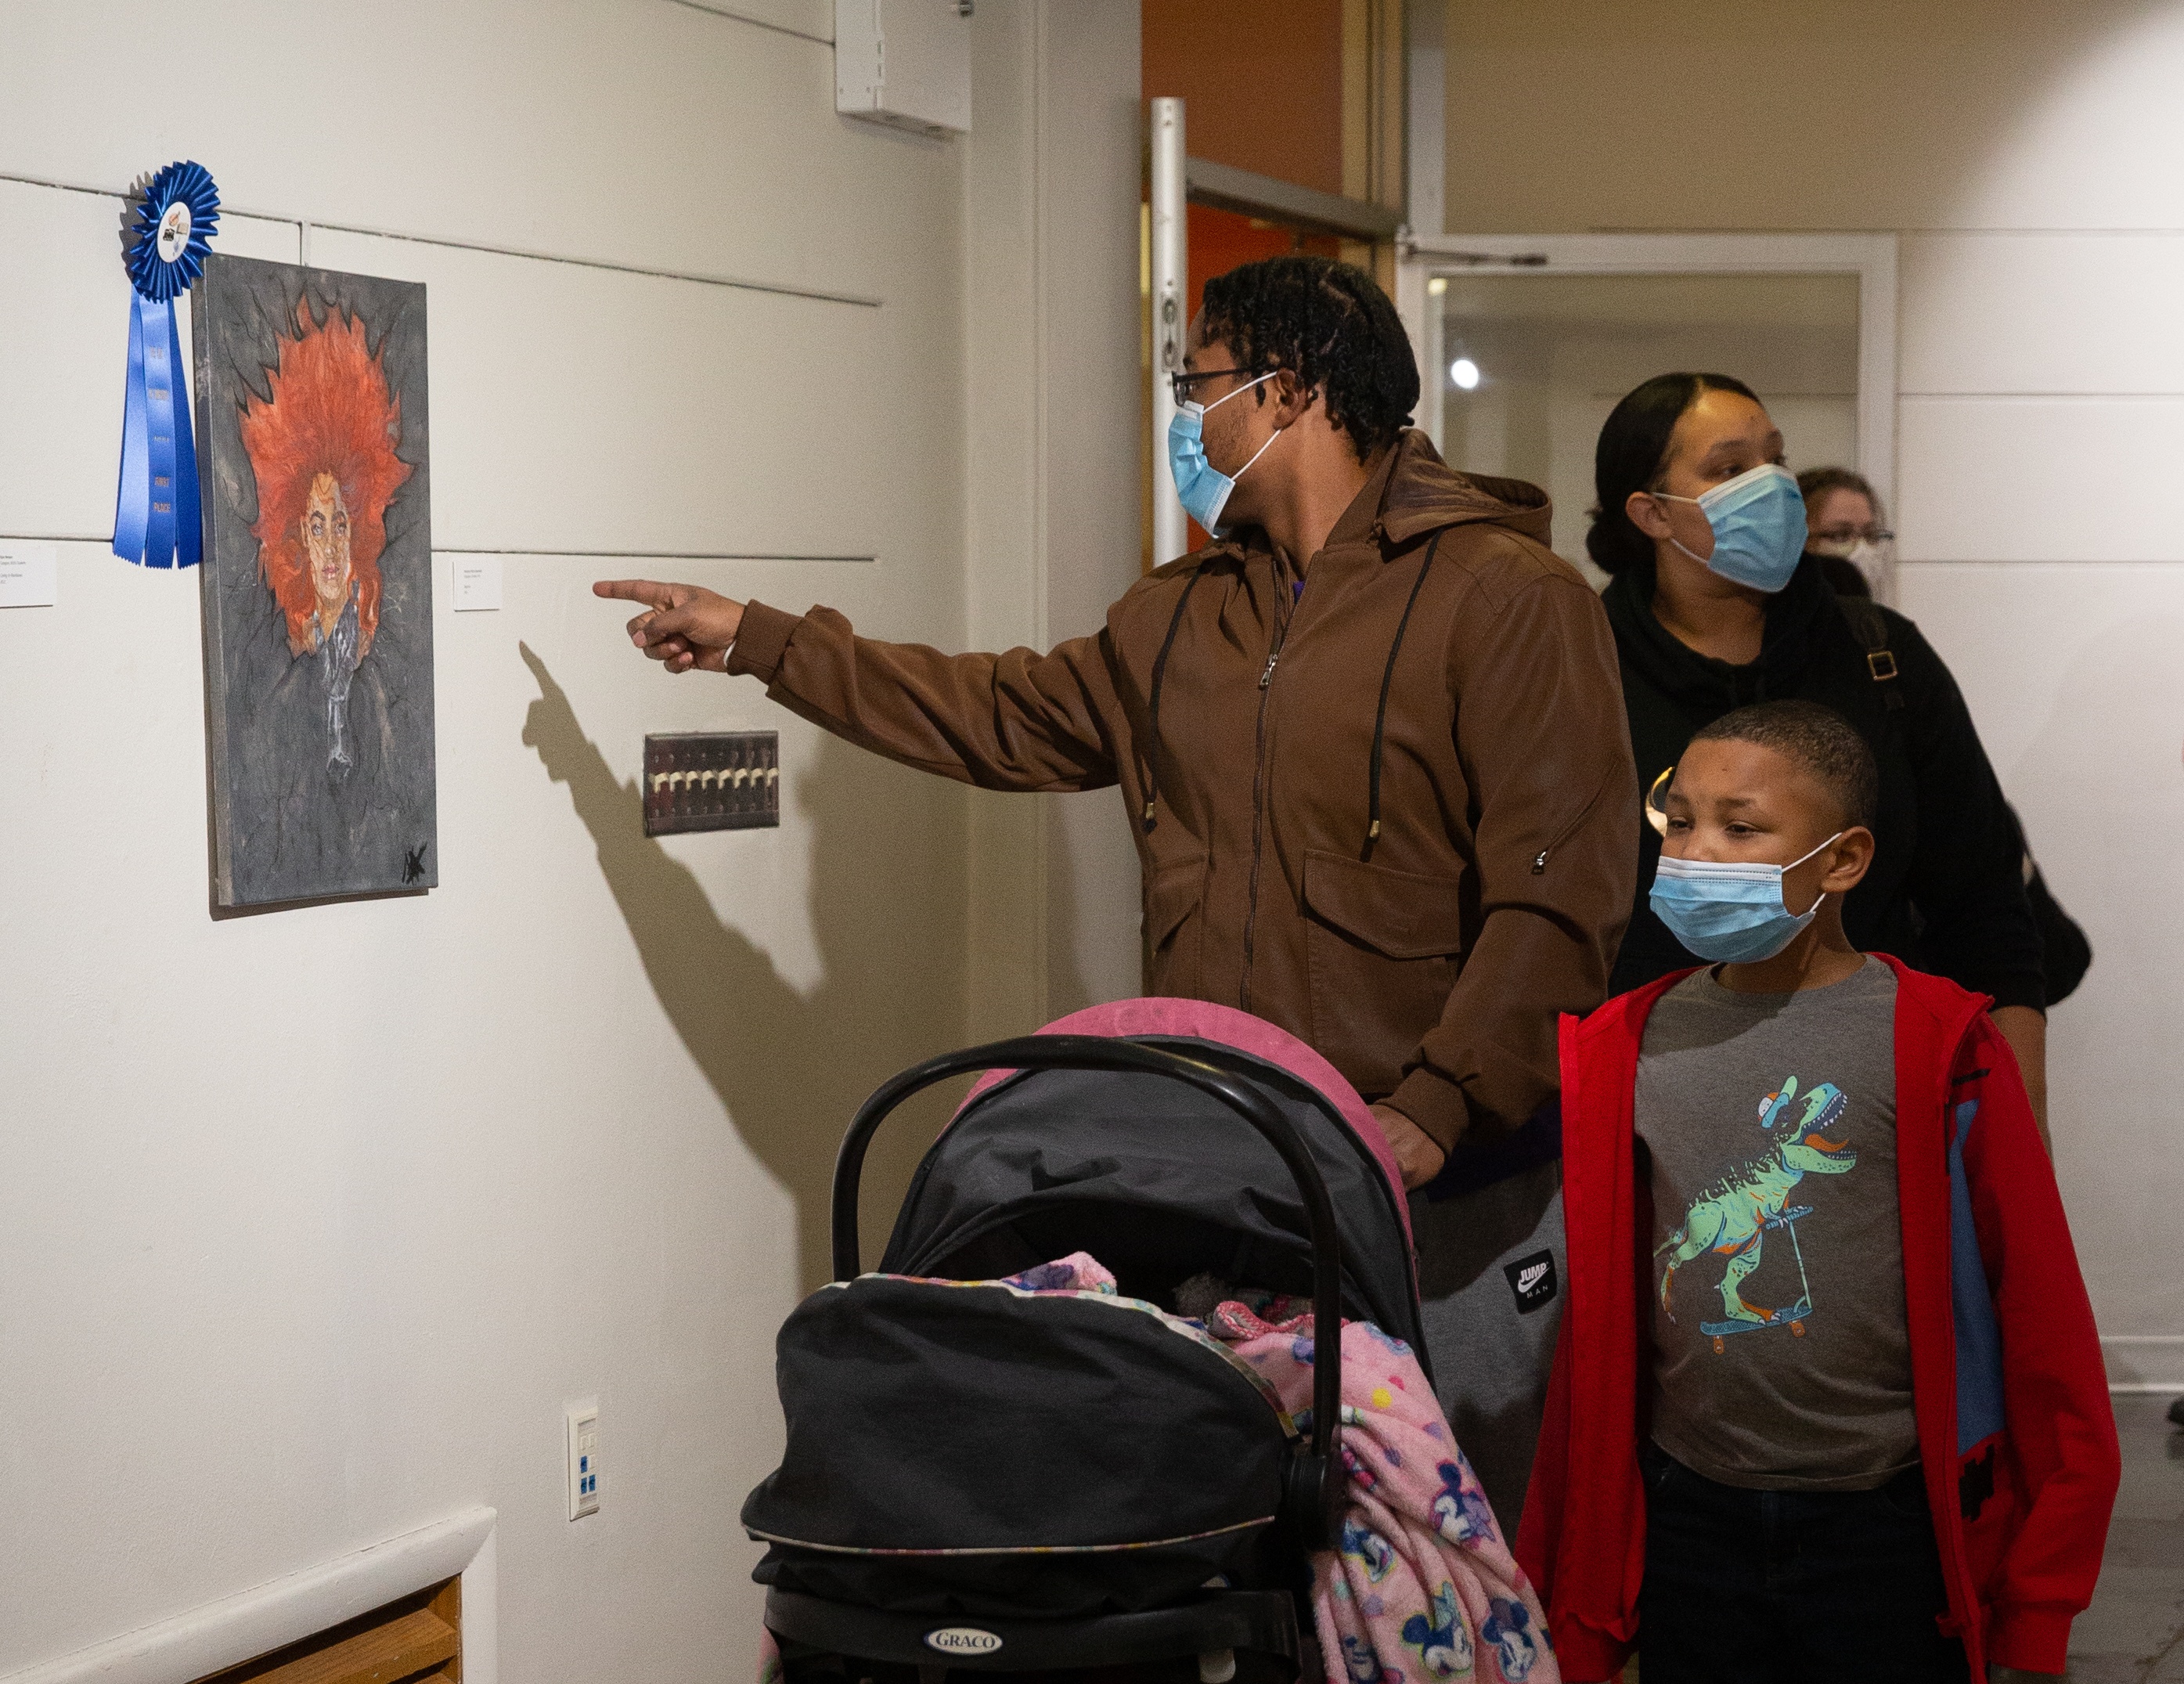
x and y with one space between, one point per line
1816 738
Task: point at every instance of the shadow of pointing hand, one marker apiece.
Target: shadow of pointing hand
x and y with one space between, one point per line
789 1071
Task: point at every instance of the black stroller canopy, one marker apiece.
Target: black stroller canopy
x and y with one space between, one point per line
1094 1477
1160 1182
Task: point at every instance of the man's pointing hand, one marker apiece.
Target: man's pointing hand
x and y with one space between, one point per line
683 626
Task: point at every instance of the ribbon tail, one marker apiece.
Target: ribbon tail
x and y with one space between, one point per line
132 502
189 525
159 372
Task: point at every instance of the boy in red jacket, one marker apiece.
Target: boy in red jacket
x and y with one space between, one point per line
1828 1403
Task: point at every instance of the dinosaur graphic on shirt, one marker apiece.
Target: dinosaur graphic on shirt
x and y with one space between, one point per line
1732 1217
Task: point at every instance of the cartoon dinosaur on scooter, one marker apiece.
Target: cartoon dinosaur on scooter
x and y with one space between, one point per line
1732 1218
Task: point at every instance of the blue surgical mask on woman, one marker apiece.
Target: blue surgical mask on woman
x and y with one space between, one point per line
1203 488
1729 911
1758 522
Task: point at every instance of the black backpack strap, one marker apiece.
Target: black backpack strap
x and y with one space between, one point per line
1870 628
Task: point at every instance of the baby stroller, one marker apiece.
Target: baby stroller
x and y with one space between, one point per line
985 1479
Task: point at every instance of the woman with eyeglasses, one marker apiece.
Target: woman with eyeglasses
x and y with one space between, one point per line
1718 599
1848 530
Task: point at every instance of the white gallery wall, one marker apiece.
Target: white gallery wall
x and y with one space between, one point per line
2031 158
314 1221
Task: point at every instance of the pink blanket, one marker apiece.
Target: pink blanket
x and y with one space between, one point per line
1423 1585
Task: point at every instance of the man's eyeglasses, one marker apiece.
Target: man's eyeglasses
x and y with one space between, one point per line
1183 384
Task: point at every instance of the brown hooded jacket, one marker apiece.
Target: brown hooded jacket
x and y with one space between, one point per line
1393 812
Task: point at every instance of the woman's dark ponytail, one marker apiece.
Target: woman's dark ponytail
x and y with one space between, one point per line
1634 445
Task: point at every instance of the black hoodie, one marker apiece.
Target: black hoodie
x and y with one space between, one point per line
1946 891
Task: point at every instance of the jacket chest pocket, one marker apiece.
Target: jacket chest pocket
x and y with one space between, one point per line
1383 948
1174 929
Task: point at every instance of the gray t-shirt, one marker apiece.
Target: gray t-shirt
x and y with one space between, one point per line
1781 1357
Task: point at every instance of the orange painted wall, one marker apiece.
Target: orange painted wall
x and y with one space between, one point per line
1262 84
1220 239
1266 97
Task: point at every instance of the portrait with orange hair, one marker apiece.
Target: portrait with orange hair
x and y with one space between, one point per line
318 586
323 453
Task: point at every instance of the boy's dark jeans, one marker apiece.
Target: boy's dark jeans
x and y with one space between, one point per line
1781 1586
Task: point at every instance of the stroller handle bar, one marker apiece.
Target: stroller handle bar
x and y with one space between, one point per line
1100 1053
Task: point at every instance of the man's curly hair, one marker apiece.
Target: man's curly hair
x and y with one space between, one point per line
1331 326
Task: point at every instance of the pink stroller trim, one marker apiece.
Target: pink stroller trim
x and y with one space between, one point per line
1156 1015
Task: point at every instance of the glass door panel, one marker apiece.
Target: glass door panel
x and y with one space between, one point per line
1527 365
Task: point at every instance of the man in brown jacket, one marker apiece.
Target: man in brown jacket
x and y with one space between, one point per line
1371 740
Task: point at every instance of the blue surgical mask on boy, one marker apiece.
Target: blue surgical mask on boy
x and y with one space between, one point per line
1758 522
1203 488
1729 911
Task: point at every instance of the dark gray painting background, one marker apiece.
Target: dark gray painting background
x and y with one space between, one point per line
283 829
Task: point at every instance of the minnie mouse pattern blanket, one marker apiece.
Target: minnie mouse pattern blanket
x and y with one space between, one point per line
1423 1587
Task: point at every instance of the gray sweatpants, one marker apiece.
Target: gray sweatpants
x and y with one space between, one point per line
1491 1311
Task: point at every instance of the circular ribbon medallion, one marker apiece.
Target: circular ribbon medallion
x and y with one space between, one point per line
174 232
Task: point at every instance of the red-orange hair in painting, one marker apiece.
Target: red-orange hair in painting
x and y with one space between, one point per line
330 413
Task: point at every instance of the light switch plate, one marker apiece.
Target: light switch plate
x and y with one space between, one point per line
584 1461
711 780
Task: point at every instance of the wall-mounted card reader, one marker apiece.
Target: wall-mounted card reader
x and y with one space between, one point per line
711 780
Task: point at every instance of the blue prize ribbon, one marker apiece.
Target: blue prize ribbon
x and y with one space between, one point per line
156 512
156 324
189 525
132 505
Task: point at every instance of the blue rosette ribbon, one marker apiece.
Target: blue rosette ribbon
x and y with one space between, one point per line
155 513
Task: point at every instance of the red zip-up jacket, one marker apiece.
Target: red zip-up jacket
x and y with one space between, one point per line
2016 1431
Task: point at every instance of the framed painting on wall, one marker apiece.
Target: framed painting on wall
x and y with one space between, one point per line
317 582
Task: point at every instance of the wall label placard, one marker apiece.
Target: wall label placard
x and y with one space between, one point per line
477 583
29 573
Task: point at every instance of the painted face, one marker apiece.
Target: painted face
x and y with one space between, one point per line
326 541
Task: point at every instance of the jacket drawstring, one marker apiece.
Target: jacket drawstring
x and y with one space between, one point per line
1387 680
1159 671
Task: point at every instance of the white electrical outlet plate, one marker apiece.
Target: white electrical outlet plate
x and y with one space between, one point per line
584 1461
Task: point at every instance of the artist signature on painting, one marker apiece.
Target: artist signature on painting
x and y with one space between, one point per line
413 863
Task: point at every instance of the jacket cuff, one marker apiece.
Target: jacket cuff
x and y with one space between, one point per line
1436 1105
2032 1638
762 640
1586 1656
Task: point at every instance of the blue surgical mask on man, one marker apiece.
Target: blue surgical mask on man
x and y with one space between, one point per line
1759 522
1729 911
1203 488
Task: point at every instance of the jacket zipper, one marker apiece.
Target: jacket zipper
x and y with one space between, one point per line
1259 788
1540 859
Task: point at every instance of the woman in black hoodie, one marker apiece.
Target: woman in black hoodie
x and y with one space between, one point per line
1947 891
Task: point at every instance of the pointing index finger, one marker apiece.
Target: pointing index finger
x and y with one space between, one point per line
650 591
